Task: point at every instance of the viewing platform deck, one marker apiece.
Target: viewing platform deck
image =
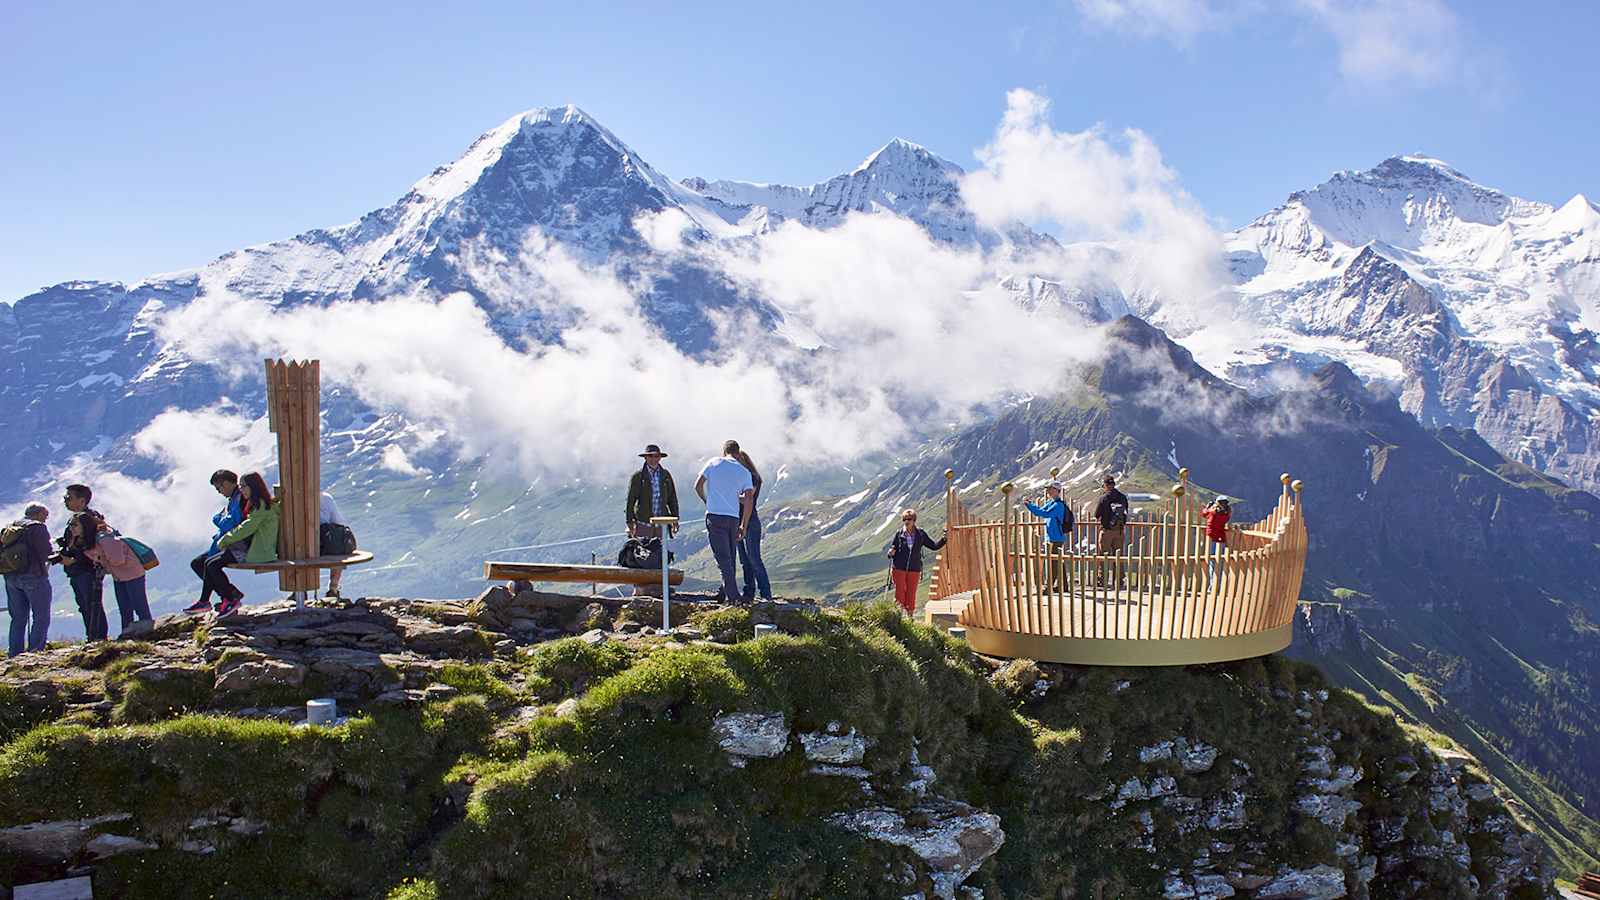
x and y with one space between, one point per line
1170 596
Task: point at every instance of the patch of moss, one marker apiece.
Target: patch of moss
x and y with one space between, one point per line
345 806
726 626
139 700
20 712
567 667
475 679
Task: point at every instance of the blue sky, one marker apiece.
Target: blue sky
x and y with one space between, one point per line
141 138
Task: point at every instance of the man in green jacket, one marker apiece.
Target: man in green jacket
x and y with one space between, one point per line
650 493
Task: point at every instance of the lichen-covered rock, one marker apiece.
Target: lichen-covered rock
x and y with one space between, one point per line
266 673
835 749
747 736
1315 883
952 838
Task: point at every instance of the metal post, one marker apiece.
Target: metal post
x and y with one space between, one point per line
299 600
664 529
594 586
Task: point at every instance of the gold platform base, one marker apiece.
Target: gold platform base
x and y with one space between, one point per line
1114 652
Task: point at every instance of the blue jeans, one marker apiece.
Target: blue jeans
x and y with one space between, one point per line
723 533
132 603
755 571
88 588
28 595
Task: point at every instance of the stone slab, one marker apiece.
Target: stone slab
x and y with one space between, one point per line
66 889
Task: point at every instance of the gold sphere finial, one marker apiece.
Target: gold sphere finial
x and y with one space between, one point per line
1183 474
1005 488
1284 478
1054 471
1177 490
1297 484
949 474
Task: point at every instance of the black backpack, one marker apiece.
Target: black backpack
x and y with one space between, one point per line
1117 518
14 555
641 553
336 539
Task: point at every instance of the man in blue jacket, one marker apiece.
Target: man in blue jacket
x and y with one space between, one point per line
1058 523
226 484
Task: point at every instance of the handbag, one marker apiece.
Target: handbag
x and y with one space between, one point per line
336 540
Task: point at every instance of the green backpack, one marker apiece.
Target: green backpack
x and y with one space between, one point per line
14 555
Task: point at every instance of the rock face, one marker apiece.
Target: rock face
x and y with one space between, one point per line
1326 628
747 736
952 838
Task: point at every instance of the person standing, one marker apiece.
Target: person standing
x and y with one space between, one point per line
234 510
1112 514
905 555
755 571
1216 515
28 587
87 578
1058 523
105 549
727 489
650 493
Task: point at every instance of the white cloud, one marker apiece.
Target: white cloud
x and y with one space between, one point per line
1382 41
1100 187
175 508
1379 42
394 459
1176 19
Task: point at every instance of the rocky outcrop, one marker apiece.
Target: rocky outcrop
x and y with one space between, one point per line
1324 629
952 838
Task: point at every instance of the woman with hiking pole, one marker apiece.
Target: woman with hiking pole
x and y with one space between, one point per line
905 559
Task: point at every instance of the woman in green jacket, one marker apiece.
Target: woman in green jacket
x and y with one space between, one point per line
259 529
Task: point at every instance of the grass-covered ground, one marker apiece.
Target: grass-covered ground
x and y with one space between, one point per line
624 793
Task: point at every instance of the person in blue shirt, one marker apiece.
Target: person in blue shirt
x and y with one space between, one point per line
1058 523
232 514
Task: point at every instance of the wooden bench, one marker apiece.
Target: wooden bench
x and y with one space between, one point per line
294 565
1588 885
520 571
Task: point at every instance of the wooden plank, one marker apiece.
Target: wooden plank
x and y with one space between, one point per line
316 562
561 572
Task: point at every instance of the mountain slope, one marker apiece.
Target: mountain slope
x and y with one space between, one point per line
1480 308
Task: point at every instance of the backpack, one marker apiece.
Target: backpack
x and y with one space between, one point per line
142 552
14 555
1117 518
641 553
336 540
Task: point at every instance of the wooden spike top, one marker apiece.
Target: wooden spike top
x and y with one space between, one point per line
1177 489
1006 488
1297 485
949 474
1183 475
1055 471
1284 478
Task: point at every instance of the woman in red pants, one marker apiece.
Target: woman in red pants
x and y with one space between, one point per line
905 554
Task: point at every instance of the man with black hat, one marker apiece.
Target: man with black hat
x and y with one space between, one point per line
650 493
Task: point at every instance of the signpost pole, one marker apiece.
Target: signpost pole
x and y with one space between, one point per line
664 526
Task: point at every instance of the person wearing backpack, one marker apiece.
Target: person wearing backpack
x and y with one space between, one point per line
24 550
905 559
87 579
258 533
1058 523
1112 514
103 547
233 512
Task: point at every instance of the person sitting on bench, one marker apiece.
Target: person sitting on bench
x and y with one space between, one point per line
258 533
233 512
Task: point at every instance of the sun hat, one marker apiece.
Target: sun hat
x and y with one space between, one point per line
651 450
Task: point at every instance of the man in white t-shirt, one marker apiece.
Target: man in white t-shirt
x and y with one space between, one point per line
330 515
727 489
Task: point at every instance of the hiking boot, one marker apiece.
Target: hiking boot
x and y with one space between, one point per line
199 606
229 607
